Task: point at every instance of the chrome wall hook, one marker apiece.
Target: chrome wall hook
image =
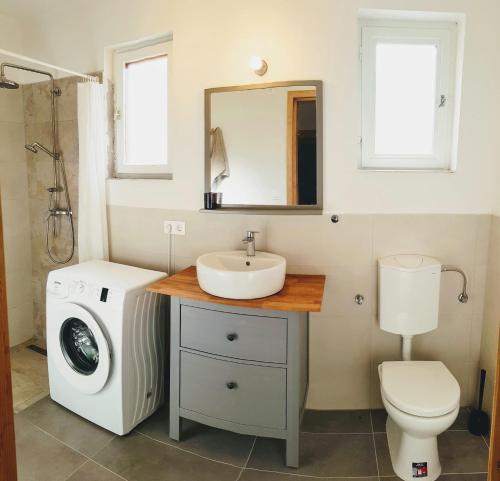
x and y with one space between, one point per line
359 299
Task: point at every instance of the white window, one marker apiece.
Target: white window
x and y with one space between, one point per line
140 76
409 75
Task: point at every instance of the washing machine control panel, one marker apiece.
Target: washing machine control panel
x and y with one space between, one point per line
80 289
57 288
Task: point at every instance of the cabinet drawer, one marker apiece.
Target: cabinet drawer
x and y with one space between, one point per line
240 393
253 338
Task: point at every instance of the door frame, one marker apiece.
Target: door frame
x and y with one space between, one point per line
8 467
293 97
494 448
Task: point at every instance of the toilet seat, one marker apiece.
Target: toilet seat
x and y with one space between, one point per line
421 388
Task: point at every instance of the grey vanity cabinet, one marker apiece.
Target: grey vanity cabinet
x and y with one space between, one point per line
240 369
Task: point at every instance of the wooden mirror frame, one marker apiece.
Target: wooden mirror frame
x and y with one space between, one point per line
271 209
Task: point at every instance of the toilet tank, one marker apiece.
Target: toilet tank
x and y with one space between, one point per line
408 294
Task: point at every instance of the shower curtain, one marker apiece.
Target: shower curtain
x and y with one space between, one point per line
92 217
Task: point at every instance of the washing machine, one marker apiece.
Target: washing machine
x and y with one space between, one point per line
106 343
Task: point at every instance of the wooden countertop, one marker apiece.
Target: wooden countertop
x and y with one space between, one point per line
301 293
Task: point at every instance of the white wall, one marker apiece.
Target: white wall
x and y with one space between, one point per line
10 34
299 39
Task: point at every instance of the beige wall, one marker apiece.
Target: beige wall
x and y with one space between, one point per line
304 39
491 324
37 121
346 343
16 216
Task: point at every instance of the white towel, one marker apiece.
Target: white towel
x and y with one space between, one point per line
218 158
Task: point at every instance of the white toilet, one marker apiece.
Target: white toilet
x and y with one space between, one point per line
422 398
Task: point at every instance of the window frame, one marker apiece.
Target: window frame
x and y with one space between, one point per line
445 36
121 56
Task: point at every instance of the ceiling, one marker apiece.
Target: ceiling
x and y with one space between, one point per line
18 8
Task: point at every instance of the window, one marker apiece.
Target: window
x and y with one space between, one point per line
141 110
408 95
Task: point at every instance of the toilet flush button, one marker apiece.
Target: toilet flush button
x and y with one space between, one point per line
409 260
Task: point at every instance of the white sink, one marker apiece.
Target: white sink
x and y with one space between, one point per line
233 275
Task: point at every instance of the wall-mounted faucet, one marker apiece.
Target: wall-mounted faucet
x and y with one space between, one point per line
249 240
463 296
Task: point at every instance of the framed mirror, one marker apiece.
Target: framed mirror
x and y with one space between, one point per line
263 146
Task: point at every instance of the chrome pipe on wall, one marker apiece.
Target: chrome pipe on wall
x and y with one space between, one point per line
463 297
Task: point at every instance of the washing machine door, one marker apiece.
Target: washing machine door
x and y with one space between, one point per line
81 352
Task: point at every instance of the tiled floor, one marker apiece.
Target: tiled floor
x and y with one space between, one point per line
56 445
30 381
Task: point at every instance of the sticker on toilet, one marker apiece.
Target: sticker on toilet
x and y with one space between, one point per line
419 470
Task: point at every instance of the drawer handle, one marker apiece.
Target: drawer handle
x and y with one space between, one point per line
232 337
231 385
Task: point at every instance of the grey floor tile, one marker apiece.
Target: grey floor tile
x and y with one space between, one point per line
462 420
463 477
383 456
327 455
254 475
448 477
138 458
91 471
68 427
379 417
213 443
42 458
462 452
352 421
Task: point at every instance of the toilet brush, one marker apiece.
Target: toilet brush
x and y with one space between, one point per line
479 422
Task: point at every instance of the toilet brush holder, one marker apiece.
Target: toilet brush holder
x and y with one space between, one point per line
479 422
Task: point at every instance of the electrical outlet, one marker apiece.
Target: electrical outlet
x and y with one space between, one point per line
175 227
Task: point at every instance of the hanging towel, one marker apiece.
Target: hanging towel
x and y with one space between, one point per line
218 158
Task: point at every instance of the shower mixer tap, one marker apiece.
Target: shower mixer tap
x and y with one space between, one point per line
59 212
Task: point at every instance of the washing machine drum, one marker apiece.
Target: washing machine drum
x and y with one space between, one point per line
81 352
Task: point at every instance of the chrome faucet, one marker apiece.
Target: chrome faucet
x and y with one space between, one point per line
249 240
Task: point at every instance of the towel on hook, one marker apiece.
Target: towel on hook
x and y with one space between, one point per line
218 158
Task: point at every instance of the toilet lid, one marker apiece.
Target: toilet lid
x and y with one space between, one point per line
421 388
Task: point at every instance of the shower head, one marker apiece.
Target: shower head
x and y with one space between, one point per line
5 83
36 145
31 148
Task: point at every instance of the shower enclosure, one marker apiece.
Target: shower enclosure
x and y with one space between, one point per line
39 168
56 210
